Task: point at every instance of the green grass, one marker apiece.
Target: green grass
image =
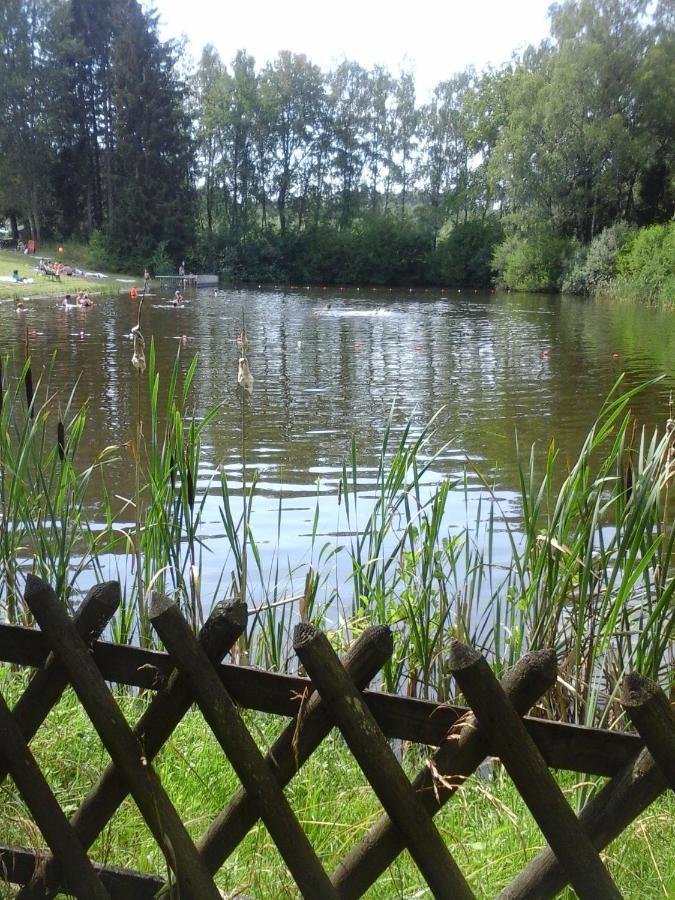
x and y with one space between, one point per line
41 286
488 829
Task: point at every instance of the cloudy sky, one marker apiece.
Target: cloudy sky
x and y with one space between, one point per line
434 38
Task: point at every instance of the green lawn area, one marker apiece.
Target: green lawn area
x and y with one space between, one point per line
42 286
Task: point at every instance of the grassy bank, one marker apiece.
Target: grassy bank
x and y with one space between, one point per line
39 285
488 829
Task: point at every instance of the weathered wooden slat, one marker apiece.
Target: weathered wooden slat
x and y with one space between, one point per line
378 763
293 747
49 682
464 749
530 774
242 752
44 807
619 802
563 746
653 716
17 866
166 709
604 817
124 748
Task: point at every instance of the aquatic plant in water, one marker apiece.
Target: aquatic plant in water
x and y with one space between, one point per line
590 568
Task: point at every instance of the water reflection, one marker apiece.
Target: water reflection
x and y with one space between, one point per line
329 365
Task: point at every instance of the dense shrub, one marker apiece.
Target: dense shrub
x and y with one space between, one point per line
535 261
646 266
596 265
464 257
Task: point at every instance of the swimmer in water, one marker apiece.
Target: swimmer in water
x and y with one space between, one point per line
20 308
177 298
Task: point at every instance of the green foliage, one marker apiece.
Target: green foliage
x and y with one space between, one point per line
646 266
100 252
596 265
160 262
464 257
534 261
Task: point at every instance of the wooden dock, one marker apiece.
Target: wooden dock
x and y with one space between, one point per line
188 280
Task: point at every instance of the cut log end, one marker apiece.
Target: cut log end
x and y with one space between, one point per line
636 690
304 634
159 604
462 656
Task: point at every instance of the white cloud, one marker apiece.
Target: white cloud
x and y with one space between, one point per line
435 38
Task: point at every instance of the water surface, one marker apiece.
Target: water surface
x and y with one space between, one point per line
331 364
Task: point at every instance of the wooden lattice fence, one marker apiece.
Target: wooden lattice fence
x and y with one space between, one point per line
67 651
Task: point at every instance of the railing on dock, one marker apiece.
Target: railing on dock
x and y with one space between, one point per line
68 651
190 280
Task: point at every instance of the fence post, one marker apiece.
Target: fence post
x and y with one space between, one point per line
293 747
248 762
376 758
510 740
180 853
465 747
222 628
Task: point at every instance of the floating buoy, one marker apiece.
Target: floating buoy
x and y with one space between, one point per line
133 293
81 335
60 249
357 346
615 356
546 354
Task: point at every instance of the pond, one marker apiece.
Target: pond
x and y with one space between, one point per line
334 364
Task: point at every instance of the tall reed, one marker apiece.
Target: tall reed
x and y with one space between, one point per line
589 567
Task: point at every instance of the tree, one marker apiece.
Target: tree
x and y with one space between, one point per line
290 92
348 107
28 103
152 170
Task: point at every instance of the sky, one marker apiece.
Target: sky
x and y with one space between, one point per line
433 38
